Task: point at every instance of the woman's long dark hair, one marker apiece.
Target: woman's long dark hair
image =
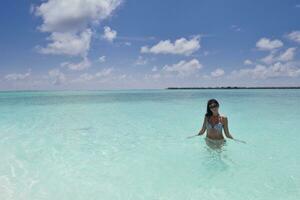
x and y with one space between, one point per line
208 111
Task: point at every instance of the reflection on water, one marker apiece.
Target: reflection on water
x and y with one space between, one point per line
215 160
215 144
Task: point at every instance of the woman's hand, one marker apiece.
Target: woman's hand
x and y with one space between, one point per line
239 140
192 136
201 132
226 129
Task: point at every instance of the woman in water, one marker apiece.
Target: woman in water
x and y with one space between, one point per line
214 123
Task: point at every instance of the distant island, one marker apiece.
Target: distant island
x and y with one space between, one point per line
197 88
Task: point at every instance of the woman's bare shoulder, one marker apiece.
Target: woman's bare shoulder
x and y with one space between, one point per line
224 117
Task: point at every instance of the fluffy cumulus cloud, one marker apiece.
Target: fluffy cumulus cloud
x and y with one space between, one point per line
269 58
285 56
217 73
68 43
84 64
183 68
235 28
69 23
73 15
266 44
278 63
154 69
295 36
278 69
56 77
16 76
86 77
109 34
141 61
104 73
181 46
102 59
248 62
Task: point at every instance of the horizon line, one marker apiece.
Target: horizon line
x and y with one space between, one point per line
167 88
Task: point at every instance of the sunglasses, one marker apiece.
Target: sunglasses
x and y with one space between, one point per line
213 106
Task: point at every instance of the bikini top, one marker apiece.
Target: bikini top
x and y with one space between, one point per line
217 126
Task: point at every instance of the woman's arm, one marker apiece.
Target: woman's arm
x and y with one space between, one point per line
202 131
226 128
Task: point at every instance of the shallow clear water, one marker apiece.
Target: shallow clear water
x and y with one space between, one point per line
79 145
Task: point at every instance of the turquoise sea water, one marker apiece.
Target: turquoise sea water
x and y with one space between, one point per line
88 145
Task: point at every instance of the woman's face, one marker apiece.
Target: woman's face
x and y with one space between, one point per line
214 107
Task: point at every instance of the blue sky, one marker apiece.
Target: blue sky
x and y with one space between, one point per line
123 44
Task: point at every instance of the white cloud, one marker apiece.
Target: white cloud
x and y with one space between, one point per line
258 72
84 64
235 28
104 72
278 69
295 36
248 62
269 58
15 76
73 15
56 76
70 22
102 59
181 46
156 76
86 77
154 69
122 76
127 43
68 43
183 68
109 34
285 56
217 73
141 61
153 76
267 44
206 53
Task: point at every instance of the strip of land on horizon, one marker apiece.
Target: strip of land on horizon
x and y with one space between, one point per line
234 87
